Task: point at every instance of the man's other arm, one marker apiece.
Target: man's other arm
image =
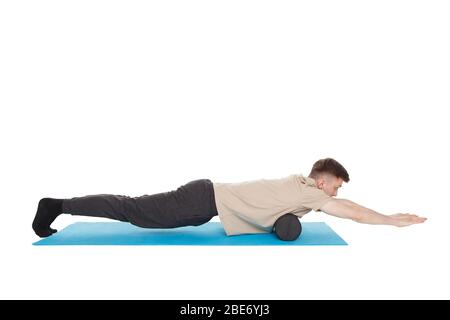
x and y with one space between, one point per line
347 209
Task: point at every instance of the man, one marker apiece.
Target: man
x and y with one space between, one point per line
243 208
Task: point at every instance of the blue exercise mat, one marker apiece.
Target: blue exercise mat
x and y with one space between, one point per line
209 234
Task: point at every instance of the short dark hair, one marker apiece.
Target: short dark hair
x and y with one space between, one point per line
330 166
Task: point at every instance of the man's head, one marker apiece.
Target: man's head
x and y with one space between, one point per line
329 175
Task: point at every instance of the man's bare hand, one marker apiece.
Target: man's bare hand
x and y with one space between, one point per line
406 219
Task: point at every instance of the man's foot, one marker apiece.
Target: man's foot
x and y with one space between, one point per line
48 210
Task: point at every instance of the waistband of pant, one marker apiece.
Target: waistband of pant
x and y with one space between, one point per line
212 199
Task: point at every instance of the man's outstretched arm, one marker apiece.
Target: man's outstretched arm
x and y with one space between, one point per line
347 209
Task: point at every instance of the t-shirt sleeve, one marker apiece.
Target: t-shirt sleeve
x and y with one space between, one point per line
314 198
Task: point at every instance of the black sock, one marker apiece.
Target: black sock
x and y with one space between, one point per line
48 210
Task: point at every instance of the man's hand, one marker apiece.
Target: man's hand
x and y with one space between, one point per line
406 219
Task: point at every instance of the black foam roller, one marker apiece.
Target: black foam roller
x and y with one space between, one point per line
288 227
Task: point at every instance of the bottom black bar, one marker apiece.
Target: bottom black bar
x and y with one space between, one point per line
227 309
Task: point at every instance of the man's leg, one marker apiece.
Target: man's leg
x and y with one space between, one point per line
150 211
191 204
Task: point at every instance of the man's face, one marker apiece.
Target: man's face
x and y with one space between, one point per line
329 184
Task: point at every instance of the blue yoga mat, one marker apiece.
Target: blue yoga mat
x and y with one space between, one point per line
209 234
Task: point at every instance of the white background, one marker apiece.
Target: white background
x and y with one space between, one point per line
140 97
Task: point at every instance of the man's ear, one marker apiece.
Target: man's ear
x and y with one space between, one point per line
319 182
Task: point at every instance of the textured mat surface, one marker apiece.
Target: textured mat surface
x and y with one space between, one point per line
209 234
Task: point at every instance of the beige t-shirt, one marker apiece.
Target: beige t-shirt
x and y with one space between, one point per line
254 206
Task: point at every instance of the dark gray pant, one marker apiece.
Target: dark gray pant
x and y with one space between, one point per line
191 204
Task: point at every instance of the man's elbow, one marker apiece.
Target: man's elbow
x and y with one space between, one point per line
357 216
